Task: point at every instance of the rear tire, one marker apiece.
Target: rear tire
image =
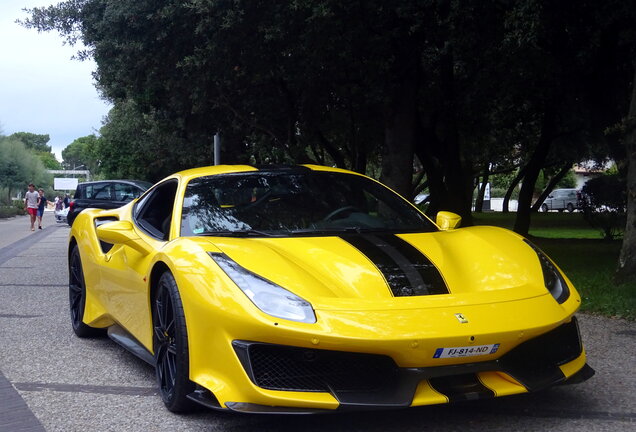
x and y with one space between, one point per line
170 342
77 297
570 207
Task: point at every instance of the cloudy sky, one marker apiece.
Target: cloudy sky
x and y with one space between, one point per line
42 90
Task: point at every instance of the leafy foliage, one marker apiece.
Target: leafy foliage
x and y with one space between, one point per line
82 153
38 144
525 85
19 166
606 202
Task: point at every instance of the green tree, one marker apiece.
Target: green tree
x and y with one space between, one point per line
19 166
82 152
468 88
38 144
137 145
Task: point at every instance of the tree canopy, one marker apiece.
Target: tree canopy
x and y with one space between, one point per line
461 89
38 143
19 166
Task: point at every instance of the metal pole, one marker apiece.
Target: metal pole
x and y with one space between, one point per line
217 149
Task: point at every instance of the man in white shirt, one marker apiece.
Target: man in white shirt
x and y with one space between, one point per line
31 201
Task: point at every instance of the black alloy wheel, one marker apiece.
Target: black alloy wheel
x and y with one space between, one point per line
77 297
170 342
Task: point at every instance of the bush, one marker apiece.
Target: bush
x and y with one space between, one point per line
18 205
605 204
7 211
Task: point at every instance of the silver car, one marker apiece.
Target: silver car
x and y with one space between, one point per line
562 199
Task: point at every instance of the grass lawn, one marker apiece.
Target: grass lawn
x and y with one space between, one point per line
587 259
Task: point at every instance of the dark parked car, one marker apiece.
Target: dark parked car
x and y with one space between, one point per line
104 194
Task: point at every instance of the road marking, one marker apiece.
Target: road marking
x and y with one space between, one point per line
83 388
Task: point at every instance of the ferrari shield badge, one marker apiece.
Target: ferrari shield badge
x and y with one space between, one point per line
461 318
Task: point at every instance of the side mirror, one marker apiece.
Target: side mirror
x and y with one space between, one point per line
122 232
447 221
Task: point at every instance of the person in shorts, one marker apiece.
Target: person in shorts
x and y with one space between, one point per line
31 204
41 206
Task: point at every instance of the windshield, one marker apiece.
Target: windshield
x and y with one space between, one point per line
294 202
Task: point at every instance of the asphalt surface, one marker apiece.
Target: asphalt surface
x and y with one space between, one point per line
51 380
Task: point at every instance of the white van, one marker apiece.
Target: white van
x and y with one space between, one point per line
562 199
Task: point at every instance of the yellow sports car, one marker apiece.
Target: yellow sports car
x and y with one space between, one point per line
309 289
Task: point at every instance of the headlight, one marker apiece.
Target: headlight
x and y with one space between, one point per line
267 296
552 277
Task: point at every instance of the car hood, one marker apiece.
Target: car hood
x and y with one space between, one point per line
466 266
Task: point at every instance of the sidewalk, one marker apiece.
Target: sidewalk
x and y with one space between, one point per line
19 227
16 241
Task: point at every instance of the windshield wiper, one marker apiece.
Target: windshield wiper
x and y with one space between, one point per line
237 233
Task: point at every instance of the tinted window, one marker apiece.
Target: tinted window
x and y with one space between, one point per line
285 203
126 192
99 191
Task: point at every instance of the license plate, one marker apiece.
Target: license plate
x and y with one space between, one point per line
469 351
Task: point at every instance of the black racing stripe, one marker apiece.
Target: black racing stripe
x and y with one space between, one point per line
461 387
394 275
420 262
407 271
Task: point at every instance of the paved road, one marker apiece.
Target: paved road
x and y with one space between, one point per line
52 381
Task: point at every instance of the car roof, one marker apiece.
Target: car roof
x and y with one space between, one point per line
139 183
231 169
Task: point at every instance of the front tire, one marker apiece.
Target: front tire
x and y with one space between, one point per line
77 297
170 341
544 208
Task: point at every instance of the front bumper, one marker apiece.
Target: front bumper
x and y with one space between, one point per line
359 381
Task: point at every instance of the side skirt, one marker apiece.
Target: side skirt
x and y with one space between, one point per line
128 342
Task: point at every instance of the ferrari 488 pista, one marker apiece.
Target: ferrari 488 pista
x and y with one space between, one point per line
308 289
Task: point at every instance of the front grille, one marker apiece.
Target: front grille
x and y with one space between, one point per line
368 379
535 362
554 348
278 367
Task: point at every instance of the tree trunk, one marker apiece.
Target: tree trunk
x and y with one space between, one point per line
627 259
551 184
457 182
397 155
400 127
511 188
434 176
537 160
479 202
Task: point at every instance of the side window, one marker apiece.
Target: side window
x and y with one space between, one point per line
153 213
100 191
126 192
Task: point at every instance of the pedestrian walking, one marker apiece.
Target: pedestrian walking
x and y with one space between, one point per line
41 206
31 199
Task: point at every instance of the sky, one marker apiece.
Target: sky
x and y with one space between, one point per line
43 90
